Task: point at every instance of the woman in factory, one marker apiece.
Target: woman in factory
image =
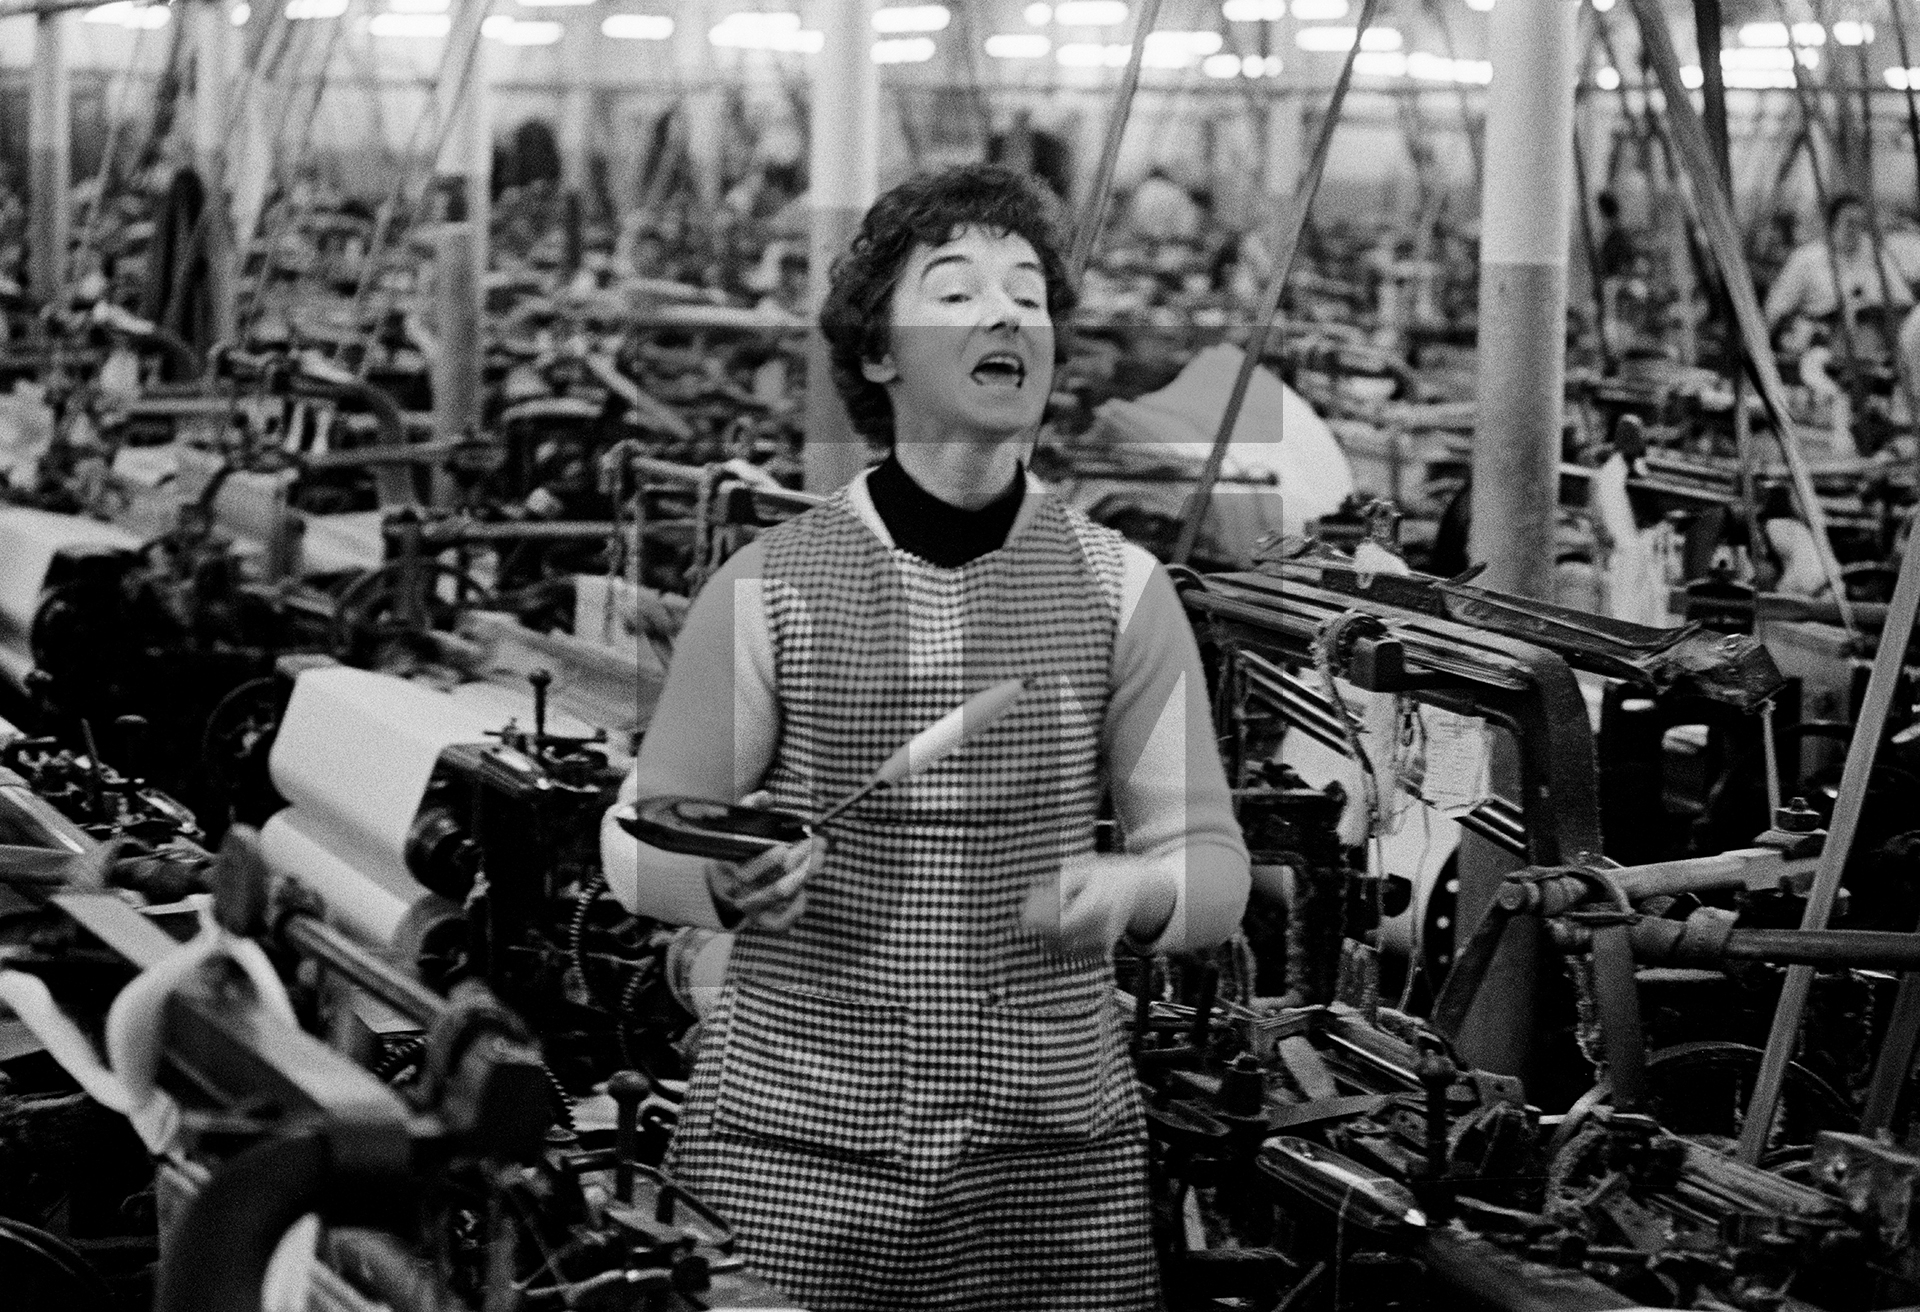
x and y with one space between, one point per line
913 1089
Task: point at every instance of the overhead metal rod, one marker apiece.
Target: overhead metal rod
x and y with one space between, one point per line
1093 216
1269 310
1715 212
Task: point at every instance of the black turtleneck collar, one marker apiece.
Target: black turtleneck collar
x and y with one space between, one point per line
937 531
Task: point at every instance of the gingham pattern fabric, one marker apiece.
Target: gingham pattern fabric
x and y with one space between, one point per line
908 1100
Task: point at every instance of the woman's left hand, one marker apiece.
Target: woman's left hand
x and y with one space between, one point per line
1095 899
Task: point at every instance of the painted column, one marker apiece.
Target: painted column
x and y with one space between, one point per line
1525 226
1526 217
843 180
465 179
50 152
214 78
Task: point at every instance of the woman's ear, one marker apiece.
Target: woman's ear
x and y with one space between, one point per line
880 371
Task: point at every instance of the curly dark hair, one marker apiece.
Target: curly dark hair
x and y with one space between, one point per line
928 209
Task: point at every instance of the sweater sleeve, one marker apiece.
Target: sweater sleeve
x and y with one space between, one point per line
1169 788
712 736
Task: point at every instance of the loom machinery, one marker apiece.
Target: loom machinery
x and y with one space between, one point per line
1320 1144
405 1011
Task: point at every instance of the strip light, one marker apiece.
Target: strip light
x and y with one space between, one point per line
1018 45
778 30
553 4
1337 40
124 13
1319 11
1090 13
315 9
912 18
1253 11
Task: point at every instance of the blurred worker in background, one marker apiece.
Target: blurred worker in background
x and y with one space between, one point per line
1802 306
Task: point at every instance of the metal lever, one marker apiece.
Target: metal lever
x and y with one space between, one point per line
628 1089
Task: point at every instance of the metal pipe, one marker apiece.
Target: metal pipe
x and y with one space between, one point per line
845 176
1715 212
1888 664
1269 312
50 137
1525 225
1100 197
1810 949
458 291
314 938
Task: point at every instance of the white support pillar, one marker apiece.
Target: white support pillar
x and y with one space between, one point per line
1525 225
702 105
465 168
214 80
50 157
464 175
843 180
1526 217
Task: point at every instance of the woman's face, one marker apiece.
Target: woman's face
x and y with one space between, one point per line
971 348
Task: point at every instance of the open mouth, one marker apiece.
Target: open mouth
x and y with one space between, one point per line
1001 369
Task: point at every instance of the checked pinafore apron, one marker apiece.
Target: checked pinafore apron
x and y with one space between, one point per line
906 1100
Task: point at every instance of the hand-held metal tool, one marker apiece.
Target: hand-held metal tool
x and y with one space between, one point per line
696 827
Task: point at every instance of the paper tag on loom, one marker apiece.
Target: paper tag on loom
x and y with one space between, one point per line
1456 765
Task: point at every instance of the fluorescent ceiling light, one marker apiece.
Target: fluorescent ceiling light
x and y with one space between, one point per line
1085 54
773 20
1341 39
1756 57
301 9
1018 45
1380 63
1607 78
773 30
1901 79
241 13
1322 11
904 50
1853 34
1603 6
1691 77
1763 34
1221 66
1038 15
1253 11
1425 67
637 27
417 6
1090 13
124 13
1809 34
912 18
415 26
551 4
1480 6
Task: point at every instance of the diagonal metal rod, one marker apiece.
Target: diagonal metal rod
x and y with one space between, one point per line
1094 215
1715 211
1867 733
1270 301
1912 90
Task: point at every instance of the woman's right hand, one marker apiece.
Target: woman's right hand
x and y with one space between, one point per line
769 891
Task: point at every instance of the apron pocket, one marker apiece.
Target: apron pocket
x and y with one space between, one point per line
1045 1076
812 1070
